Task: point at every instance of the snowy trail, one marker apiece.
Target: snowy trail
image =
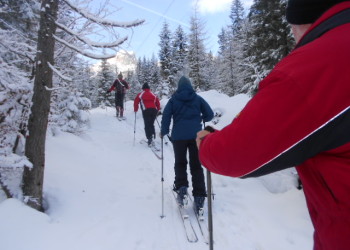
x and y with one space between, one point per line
118 187
103 193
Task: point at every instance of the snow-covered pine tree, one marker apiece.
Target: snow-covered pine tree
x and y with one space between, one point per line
236 16
104 80
90 89
229 50
165 59
271 39
221 68
228 63
135 86
197 53
155 78
139 71
210 72
18 22
248 75
179 52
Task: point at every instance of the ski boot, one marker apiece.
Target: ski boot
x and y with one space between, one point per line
198 205
149 142
182 196
122 117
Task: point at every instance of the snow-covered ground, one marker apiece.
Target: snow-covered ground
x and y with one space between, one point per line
103 192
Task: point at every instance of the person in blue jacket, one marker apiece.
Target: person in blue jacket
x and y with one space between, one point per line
188 110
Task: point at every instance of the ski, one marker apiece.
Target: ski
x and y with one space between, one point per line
202 223
185 217
154 148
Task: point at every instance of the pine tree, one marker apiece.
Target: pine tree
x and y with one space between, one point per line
236 16
222 69
135 86
104 79
18 19
197 53
179 52
165 57
210 72
155 77
270 34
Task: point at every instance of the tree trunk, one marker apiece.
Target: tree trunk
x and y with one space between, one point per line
33 178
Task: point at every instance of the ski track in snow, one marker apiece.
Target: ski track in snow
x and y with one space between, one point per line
103 192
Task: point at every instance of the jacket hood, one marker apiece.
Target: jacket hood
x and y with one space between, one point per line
185 91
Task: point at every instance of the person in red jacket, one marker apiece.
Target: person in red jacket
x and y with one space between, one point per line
120 86
300 117
150 107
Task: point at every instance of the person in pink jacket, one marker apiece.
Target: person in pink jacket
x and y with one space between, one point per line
300 117
150 107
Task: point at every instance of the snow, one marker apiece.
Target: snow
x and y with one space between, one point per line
103 191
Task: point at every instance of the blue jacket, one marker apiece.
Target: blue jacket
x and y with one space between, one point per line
188 110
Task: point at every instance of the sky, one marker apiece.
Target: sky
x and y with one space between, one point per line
103 191
144 39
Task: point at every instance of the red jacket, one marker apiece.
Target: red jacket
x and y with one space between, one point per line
147 100
299 117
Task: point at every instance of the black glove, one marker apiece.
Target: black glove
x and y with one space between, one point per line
209 129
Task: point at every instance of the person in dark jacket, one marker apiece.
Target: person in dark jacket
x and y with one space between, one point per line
300 117
120 86
188 110
150 107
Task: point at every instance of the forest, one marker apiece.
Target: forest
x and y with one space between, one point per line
47 83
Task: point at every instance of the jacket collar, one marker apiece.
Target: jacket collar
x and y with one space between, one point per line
335 10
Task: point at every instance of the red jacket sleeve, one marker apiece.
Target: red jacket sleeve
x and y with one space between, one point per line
271 124
157 103
112 87
136 102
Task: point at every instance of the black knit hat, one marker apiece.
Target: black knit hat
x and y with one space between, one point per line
145 86
307 11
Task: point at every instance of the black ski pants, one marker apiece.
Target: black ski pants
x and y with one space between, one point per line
149 116
180 150
119 100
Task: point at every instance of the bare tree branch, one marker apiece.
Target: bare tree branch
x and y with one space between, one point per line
89 42
84 53
66 78
103 21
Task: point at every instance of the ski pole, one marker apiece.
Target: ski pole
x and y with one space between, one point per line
210 205
134 128
166 143
162 180
210 212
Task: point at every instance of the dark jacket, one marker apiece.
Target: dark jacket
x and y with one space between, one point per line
120 86
188 110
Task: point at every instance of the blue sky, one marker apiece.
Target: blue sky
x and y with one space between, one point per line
144 39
